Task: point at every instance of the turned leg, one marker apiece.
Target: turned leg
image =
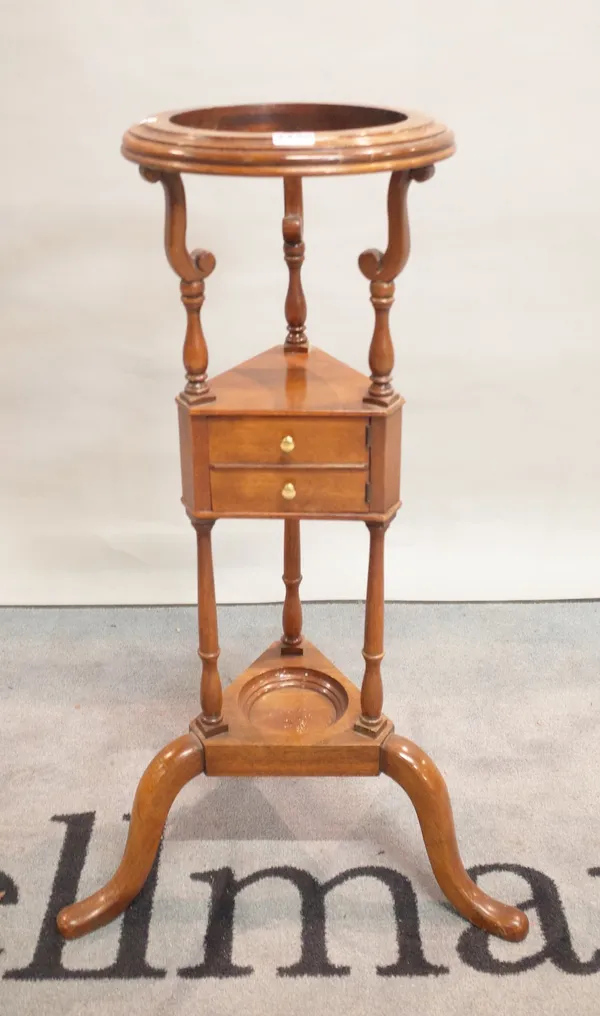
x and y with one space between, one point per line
371 692
291 640
172 768
415 772
210 720
293 250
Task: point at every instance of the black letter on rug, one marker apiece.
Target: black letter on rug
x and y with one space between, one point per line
411 961
47 958
474 944
314 960
9 894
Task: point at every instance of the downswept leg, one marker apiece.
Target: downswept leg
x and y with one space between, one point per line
168 772
415 772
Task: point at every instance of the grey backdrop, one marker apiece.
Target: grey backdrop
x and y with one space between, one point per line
496 319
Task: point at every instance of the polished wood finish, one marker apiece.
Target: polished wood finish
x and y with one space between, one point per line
195 465
415 772
291 433
211 693
259 140
371 692
268 428
381 270
192 268
313 491
292 717
258 440
291 639
274 382
168 772
293 249
385 437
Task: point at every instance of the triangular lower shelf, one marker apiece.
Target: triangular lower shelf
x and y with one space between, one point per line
292 716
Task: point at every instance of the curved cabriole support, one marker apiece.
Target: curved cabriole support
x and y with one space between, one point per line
166 775
293 250
418 775
381 270
192 268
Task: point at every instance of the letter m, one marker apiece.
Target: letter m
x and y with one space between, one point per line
314 959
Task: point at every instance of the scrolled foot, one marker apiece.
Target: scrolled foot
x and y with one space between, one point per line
168 772
415 772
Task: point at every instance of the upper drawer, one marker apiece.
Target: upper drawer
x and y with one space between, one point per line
288 439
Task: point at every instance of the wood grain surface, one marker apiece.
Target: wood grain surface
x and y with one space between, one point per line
259 140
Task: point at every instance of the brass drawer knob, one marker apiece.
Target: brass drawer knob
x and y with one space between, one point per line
287 443
288 491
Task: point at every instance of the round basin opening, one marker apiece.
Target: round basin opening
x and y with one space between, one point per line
287 118
293 700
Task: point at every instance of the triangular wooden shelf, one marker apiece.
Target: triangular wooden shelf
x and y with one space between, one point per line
291 716
278 382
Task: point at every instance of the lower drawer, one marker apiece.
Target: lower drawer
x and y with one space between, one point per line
276 491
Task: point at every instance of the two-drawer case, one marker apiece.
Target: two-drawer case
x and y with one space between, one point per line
263 449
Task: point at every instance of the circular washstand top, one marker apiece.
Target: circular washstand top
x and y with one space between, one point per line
287 139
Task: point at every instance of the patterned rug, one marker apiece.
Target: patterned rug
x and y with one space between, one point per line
273 896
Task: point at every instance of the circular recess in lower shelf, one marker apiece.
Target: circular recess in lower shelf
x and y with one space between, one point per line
293 701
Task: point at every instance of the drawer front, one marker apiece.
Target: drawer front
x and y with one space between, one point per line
243 491
283 440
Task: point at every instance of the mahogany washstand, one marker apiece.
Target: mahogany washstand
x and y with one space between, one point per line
290 434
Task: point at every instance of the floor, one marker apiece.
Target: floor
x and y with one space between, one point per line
284 895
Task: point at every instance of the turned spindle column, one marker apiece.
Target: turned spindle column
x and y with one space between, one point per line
291 640
371 692
210 720
381 270
192 268
293 249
